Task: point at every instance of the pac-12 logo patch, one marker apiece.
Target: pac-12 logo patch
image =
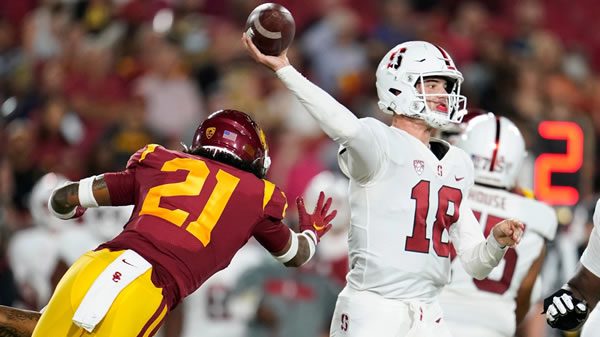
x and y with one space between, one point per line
419 166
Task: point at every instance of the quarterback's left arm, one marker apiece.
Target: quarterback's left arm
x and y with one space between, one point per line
526 288
478 255
17 322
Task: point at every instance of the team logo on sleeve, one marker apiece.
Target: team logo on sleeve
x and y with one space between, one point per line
419 166
210 132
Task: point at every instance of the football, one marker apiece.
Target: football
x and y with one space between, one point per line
271 28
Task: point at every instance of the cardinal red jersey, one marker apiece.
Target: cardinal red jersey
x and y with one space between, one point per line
192 215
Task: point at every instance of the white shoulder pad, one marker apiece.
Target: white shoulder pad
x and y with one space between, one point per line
545 222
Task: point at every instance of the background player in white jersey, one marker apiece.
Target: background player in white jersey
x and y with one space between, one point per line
568 307
211 310
406 193
41 254
331 260
37 254
494 306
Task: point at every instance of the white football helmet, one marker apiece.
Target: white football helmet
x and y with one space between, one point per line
406 65
334 245
497 149
38 202
334 186
107 221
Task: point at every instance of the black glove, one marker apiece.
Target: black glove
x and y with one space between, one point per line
565 312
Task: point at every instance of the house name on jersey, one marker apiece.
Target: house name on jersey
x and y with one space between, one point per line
495 201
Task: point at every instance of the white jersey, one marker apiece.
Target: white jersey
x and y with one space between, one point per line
208 311
33 254
488 306
100 224
398 240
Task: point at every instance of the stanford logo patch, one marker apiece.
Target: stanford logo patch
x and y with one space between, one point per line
419 166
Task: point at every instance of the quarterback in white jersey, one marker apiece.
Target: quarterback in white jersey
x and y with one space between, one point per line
568 307
406 193
494 306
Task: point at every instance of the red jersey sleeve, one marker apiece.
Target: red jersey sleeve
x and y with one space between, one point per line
140 155
121 185
274 201
271 233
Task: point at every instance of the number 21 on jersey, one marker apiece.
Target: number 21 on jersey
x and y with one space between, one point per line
198 172
447 213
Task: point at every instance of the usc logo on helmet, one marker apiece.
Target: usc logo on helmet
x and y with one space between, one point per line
210 132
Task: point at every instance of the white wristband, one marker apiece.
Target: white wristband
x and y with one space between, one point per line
291 253
86 193
60 215
491 239
310 237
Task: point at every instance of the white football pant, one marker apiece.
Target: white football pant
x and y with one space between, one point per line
366 314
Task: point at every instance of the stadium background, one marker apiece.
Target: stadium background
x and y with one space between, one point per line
84 84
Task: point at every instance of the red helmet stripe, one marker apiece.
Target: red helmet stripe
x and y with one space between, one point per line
497 145
446 57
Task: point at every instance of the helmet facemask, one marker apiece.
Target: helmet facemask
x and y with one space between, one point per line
454 102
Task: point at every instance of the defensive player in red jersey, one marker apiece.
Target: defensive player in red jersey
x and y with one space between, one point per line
193 211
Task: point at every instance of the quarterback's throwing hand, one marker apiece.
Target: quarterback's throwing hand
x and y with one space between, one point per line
565 312
273 62
319 221
508 232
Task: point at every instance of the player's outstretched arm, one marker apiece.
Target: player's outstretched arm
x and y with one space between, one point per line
586 285
302 246
479 255
339 123
17 322
71 201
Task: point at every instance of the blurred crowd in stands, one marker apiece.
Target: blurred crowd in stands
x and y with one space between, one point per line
86 83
